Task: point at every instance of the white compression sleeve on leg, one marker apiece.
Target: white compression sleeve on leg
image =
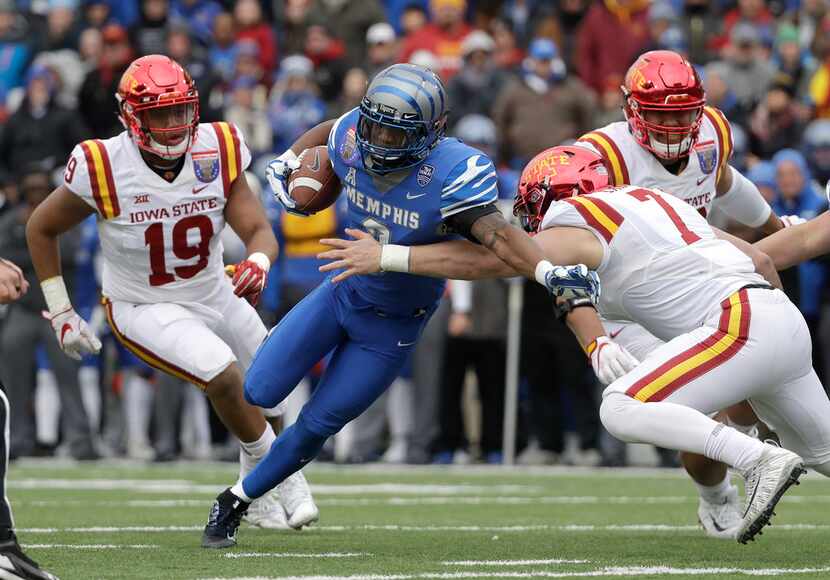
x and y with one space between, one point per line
250 453
743 202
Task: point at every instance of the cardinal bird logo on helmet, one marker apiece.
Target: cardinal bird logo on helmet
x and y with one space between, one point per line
554 174
159 106
664 100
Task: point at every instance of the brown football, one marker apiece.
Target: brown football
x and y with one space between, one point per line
314 184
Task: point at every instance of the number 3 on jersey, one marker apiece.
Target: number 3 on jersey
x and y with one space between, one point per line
154 238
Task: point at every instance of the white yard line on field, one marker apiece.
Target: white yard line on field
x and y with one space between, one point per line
617 571
296 555
512 562
91 546
400 528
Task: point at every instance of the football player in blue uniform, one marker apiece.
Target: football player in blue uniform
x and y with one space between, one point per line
408 184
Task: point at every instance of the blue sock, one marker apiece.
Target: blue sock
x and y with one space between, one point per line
294 447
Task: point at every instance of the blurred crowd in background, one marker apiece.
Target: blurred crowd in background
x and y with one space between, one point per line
522 75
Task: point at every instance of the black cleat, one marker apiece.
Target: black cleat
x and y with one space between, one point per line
225 515
15 564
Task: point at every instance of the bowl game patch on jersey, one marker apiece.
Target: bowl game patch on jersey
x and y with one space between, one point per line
206 165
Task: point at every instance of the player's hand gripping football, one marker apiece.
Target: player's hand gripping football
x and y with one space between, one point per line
249 277
74 335
573 282
277 173
610 360
358 256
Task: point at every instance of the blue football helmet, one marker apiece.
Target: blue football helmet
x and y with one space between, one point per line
402 117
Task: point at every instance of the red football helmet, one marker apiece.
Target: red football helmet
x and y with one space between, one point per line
159 106
664 102
554 174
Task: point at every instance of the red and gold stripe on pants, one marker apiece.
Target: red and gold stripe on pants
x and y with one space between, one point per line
723 344
147 355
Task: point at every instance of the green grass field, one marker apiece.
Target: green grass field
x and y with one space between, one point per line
124 520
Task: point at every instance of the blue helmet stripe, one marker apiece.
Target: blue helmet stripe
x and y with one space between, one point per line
419 87
403 95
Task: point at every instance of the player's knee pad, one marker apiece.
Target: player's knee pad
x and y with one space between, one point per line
615 414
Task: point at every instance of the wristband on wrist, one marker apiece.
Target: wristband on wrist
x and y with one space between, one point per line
57 298
542 268
394 258
562 308
260 260
591 346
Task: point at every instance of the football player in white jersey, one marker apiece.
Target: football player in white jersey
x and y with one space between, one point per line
671 140
163 191
728 335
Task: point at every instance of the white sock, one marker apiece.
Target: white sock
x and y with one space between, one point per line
237 490
732 447
47 407
251 453
715 493
88 378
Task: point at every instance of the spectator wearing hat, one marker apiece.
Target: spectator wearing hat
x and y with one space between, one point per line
248 110
475 88
381 48
295 106
22 141
442 37
349 22
776 123
251 26
748 75
790 58
816 149
96 102
149 34
327 55
196 16
543 108
613 34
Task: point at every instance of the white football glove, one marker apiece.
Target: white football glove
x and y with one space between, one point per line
791 220
73 333
610 360
277 173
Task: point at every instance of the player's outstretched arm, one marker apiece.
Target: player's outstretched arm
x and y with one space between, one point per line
741 200
457 259
798 243
764 265
246 217
61 211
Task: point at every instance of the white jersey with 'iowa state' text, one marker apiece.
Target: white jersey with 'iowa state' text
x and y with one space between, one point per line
631 163
159 239
662 265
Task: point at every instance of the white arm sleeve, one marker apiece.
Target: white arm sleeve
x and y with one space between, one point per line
743 202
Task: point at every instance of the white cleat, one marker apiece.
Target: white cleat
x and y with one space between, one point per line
267 512
766 482
295 496
721 520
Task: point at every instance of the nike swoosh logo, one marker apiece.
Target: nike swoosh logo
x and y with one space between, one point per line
716 525
198 189
315 165
406 343
64 329
702 179
410 196
613 335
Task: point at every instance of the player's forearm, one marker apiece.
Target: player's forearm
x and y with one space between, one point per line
798 243
262 240
585 325
772 225
510 244
457 260
43 248
315 136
